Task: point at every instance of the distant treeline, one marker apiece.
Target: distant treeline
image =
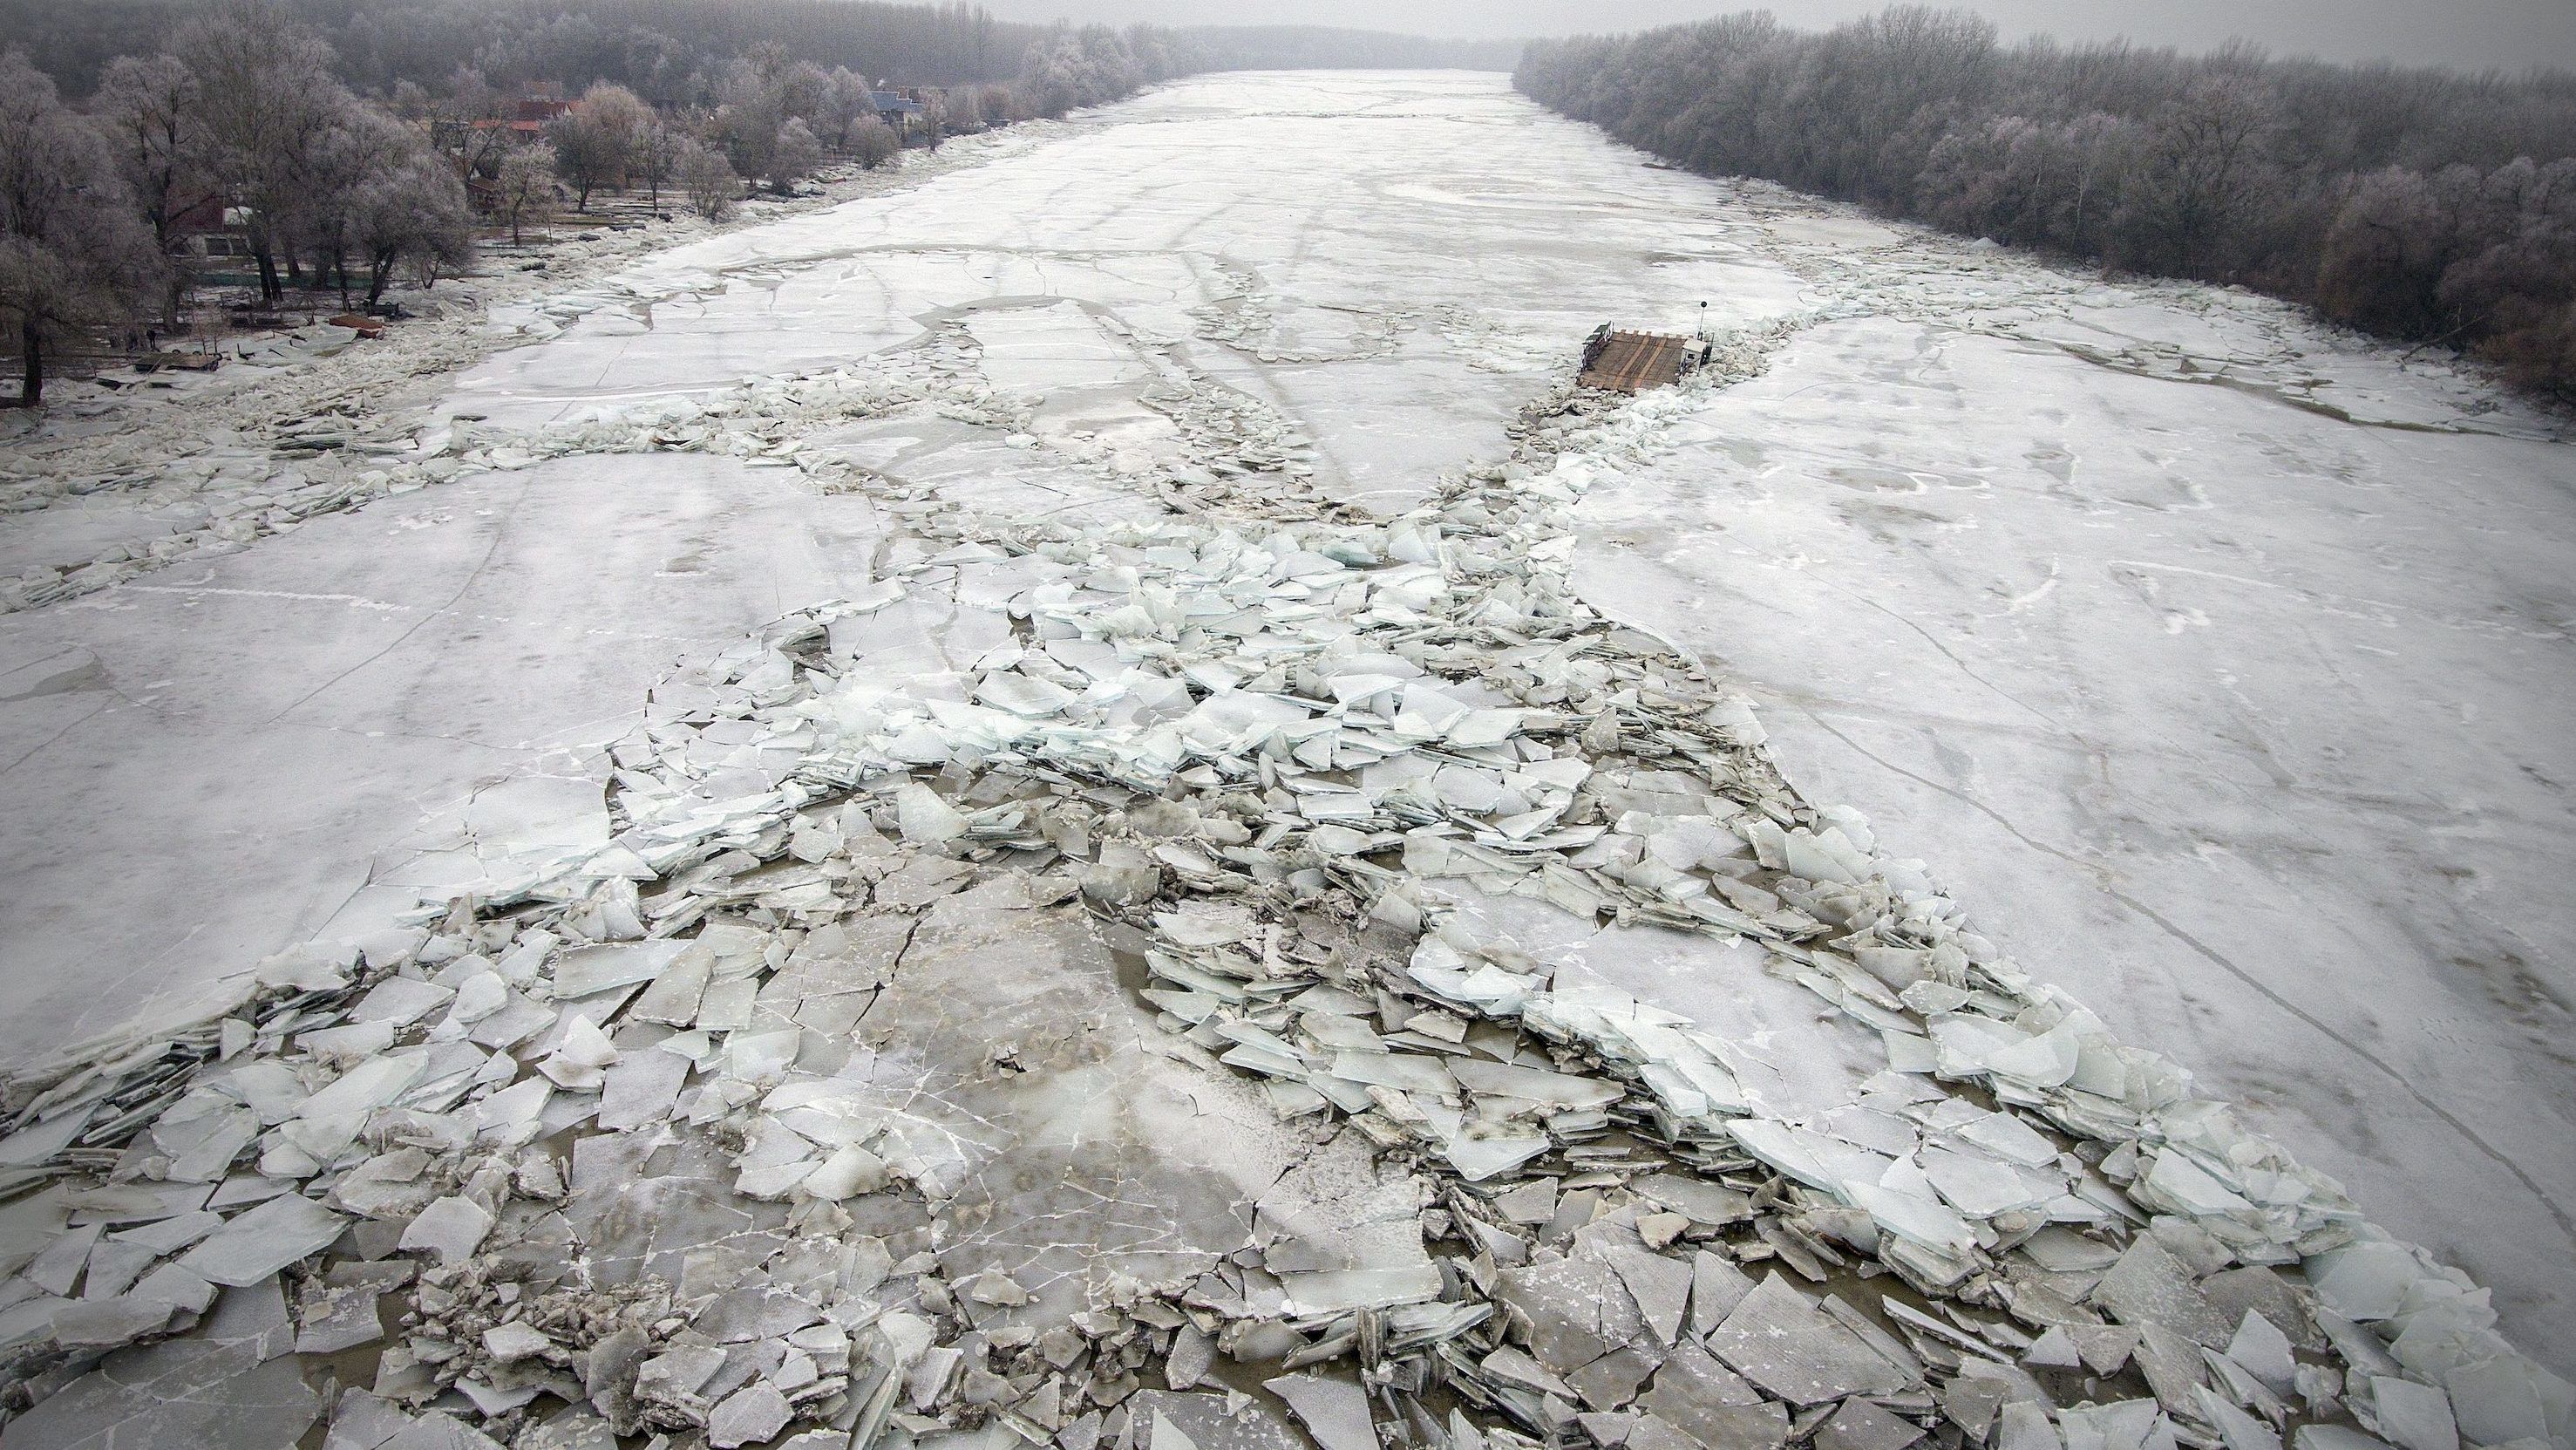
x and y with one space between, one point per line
673 52
654 48
1308 47
2416 204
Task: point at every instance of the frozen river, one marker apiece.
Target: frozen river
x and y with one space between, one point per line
2218 666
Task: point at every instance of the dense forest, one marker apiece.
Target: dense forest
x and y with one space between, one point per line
345 147
2413 203
652 47
669 51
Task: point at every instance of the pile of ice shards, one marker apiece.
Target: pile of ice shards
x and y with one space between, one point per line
1040 1002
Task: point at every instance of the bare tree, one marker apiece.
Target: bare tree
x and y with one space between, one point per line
708 178
524 191
74 254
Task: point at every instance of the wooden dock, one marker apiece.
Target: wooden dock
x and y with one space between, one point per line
1632 362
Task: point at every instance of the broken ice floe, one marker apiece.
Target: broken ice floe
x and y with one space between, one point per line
1014 999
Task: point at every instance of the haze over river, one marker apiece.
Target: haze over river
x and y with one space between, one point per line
2219 665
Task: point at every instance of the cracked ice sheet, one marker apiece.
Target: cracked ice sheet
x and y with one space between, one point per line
2235 720
1078 1148
216 758
1341 249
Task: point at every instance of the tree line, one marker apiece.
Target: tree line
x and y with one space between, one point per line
2413 203
1317 47
667 51
335 171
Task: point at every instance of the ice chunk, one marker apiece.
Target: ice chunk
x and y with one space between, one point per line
1785 1344
515 1341
925 818
341 1317
640 1089
1717 1286
2150 1286
2263 1351
185 1392
1713 1404
2414 1416
2497 1401
263 1241
2240 1430
578 1062
1661 1287
751 1415
453 1228
1860 1425
400 1001
591 970
2025 1426
1334 1411
369 1085
2365 1282
109 1320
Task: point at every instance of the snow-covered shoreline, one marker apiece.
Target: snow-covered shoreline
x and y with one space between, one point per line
108 484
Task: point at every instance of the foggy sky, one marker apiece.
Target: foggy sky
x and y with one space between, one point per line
2467 34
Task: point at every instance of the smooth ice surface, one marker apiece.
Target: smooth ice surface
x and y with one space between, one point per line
214 763
2245 721
2248 725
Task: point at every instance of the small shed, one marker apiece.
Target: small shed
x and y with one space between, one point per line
1632 362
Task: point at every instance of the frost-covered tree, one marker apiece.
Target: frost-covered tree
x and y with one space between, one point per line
411 213
657 156
2197 172
2416 203
147 109
361 146
749 111
595 142
524 190
74 253
874 142
463 123
708 178
847 101
268 106
793 156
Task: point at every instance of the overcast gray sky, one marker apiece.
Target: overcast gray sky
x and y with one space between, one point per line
2471 34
